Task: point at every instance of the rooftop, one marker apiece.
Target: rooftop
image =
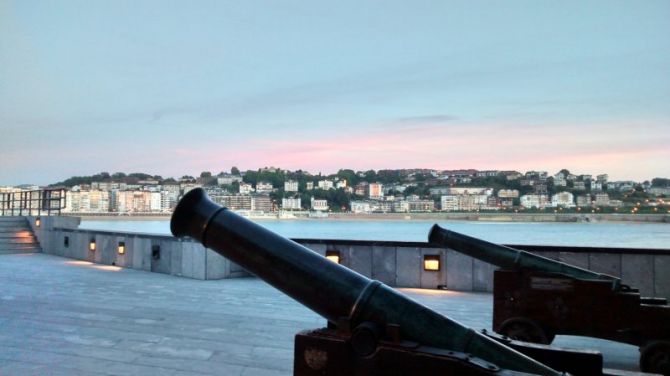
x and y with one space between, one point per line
61 316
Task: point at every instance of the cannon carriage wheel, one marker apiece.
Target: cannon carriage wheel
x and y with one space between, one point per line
526 330
655 357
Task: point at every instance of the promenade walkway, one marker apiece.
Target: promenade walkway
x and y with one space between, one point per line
65 317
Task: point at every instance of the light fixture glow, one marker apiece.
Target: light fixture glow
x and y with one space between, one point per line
122 248
431 263
38 222
91 245
333 256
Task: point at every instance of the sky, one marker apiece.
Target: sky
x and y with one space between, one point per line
178 87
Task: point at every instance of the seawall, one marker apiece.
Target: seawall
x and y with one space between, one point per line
398 264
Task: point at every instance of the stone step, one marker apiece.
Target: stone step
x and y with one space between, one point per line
15 234
18 240
13 224
12 220
18 251
14 229
20 247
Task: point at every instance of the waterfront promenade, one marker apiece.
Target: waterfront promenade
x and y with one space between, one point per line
60 316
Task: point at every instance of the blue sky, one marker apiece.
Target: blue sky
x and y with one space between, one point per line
176 88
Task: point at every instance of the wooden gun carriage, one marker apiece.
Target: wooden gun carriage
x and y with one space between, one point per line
536 298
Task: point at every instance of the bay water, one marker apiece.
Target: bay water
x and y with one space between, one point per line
591 234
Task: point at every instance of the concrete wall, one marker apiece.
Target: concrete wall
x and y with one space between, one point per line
398 264
155 253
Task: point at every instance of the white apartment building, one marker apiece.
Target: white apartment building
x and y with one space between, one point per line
376 191
88 201
580 186
341 184
508 193
360 207
310 185
534 201
449 203
228 179
401 206
321 205
155 202
563 199
469 191
264 187
583 200
291 186
246 188
326 184
291 203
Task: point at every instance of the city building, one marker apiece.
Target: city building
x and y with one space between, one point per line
291 203
264 187
579 186
228 179
262 203
376 191
291 186
321 205
234 202
602 199
421 205
325 184
563 199
246 188
310 185
534 201
508 193
583 200
449 203
360 207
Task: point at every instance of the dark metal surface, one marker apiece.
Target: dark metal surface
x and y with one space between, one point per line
329 289
325 352
510 258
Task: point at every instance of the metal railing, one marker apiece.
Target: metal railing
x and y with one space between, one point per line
39 202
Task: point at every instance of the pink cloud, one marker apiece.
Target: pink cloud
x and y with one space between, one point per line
593 148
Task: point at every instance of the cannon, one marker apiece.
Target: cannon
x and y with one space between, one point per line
536 298
372 328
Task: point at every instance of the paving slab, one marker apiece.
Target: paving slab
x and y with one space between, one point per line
60 316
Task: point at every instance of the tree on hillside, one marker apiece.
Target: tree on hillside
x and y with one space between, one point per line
235 171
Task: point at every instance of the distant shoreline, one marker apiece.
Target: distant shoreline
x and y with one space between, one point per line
475 217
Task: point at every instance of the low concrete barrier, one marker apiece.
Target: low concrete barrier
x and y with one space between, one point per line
398 264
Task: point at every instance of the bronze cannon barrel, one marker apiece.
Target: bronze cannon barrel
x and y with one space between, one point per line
329 289
509 258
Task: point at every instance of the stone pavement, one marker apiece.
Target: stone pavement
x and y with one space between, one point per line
65 317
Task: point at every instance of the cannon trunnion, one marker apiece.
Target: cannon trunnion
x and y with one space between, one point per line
536 298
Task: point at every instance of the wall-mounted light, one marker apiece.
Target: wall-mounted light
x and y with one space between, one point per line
431 263
91 245
122 248
156 252
333 256
38 222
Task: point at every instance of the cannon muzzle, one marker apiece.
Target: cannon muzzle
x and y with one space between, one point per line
329 289
510 258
